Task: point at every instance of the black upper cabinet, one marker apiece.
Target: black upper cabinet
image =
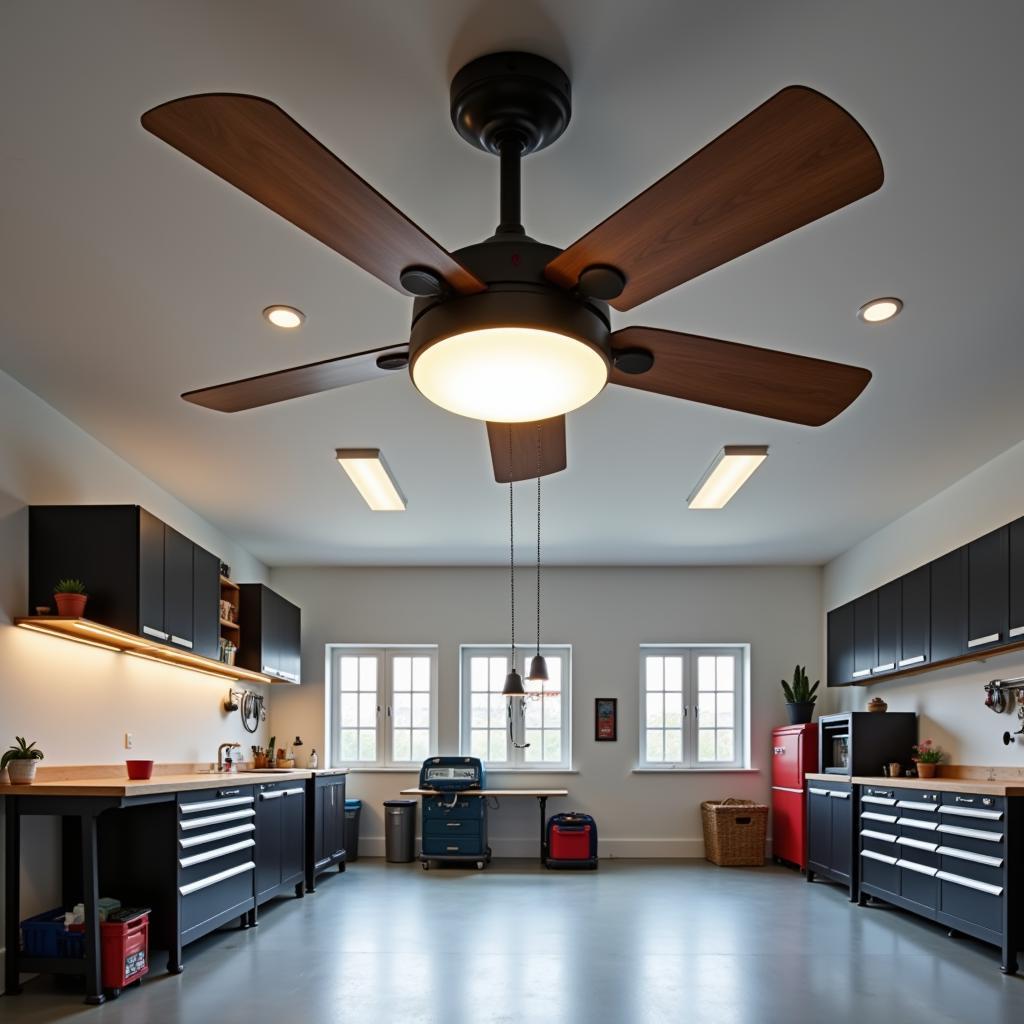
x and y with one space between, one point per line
270 633
988 589
1016 619
840 645
142 576
915 618
949 605
865 635
890 612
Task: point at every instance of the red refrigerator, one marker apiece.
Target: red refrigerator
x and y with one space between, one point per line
794 751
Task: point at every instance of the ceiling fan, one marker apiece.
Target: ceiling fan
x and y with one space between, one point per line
513 331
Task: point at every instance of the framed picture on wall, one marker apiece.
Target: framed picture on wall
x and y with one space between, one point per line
606 718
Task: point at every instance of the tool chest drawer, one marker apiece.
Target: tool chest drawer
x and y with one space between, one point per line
450 827
457 845
465 807
215 894
200 863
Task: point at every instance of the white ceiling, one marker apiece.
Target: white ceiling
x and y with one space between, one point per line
129 274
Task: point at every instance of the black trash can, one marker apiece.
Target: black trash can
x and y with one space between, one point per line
352 809
399 831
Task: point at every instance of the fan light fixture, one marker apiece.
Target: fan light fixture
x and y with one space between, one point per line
287 317
877 311
369 472
510 374
731 469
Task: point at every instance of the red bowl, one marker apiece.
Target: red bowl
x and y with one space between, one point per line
139 770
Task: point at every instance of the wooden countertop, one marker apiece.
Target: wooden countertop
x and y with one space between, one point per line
162 783
998 787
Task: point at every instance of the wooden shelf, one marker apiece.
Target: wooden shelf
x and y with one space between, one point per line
226 584
95 634
229 624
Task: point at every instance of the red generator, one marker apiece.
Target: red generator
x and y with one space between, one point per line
571 841
794 751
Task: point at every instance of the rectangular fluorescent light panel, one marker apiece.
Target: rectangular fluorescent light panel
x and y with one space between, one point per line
732 468
369 472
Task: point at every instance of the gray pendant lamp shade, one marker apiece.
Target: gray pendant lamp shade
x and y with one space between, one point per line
538 670
513 685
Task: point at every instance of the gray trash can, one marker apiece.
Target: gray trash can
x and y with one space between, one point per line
352 809
399 831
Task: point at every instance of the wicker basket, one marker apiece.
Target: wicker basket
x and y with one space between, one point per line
734 831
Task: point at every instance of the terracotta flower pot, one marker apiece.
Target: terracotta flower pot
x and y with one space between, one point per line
926 771
71 606
22 772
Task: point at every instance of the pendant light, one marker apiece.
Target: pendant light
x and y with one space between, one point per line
513 681
538 666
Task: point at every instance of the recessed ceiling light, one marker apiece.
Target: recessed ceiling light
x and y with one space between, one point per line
879 310
731 469
369 472
287 317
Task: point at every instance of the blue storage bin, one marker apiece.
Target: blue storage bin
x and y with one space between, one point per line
45 934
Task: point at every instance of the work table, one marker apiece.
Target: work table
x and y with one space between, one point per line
997 787
157 785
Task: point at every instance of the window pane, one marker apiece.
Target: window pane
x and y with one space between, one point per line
726 670
725 705
554 674
478 673
673 673
478 744
673 710
655 673
499 669
350 709
498 748
367 745
534 712
367 673
535 751
402 710
725 745
421 710
655 745
350 673
674 745
552 745
402 673
498 711
706 712
552 712
478 712
655 710
706 745
349 744
367 710
402 745
705 672
421 674
420 744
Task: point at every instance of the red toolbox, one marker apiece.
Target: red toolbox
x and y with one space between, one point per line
572 841
124 949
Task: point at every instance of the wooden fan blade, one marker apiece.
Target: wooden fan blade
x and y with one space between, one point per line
523 465
796 158
254 145
296 382
762 381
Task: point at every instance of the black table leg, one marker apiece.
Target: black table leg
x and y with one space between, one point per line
12 855
543 801
91 896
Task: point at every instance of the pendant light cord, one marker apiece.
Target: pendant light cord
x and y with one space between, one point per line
538 535
511 548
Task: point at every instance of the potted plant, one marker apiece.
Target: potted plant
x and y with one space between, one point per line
928 758
800 697
70 596
20 761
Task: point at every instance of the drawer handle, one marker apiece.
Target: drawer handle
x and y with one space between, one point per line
918 844
861 673
836 795
885 801
292 792
871 816
452 848
915 660
976 858
872 834
818 792
979 640
971 833
883 857
221 851
971 812
454 824
215 819
212 837
181 641
971 883
205 883
887 667
158 633
211 805
928 826
921 869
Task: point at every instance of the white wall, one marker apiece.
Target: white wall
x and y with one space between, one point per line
78 701
605 613
950 701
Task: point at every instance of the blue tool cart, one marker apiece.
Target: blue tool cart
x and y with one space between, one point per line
454 820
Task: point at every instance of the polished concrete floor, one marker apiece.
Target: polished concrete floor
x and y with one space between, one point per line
638 942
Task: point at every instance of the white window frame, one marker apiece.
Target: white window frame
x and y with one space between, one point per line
741 734
385 655
517 761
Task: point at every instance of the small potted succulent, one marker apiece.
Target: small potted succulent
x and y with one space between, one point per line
800 697
928 758
70 596
20 761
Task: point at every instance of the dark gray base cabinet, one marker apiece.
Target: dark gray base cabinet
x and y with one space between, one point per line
948 857
280 852
325 826
830 846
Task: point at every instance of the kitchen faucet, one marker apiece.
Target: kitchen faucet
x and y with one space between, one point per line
220 755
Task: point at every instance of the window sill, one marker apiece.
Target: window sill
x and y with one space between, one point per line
383 770
532 771
696 771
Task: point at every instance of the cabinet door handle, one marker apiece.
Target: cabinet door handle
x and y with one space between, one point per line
817 792
1017 631
915 660
861 673
836 795
181 641
979 640
272 796
292 792
887 667
158 633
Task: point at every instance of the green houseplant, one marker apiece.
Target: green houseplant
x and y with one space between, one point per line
800 696
928 757
70 596
20 761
